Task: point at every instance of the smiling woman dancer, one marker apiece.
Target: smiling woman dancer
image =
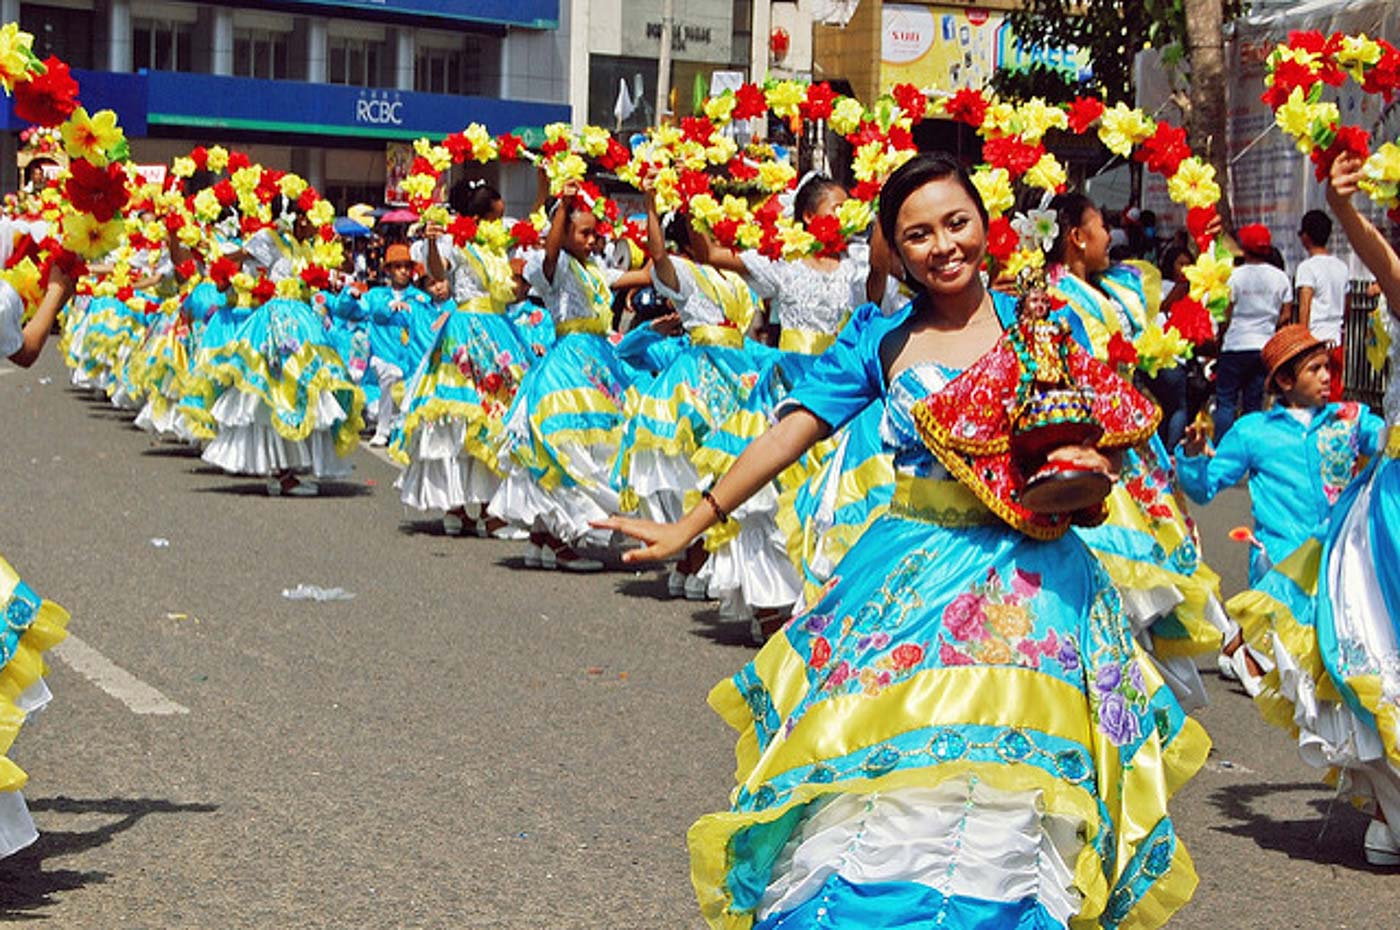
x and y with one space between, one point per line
962 728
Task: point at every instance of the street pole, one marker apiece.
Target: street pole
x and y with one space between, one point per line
663 64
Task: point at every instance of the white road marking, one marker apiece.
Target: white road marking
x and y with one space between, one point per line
7 371
138 696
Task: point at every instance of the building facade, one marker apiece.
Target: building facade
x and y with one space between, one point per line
331 89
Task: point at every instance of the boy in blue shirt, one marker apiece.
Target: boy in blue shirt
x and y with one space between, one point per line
1299 455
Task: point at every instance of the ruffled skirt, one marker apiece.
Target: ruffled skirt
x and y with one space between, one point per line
961 729
454 412
560 439
32 626
200 390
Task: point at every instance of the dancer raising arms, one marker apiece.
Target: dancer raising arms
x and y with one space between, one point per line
962 727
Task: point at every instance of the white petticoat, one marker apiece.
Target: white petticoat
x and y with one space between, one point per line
753 569
441 475
169 425
960 838
564 512
247 444
16 826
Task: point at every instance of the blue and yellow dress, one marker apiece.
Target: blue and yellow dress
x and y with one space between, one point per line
960 732
563 427
216 320
455 402
160 369
1329 614
1149 544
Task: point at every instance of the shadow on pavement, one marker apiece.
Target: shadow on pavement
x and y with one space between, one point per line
172 451
28 886
1331 837
650 586
259 489
710 625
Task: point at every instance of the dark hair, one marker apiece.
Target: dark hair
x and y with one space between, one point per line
922 169
1169 257
1069 214
809 195
1317 226
472 197
1289 369
677 230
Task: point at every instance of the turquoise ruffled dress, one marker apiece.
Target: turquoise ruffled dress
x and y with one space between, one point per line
960 732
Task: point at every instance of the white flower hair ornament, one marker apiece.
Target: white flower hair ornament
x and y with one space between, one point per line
1039 228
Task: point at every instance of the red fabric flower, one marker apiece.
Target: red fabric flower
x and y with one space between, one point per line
99 191
49 98
1083 112
912 101
1350 139
316 277
554 147
725 232
508 146
462 229
1009 152
741 170
900 138
771 246
265 289
750 102
222 270
1165 150
174 222
826 229
967 106
866 191
491 382
458 146
1197 219
307 200
865 133
616 156
698 129
1192 320
1121 352
1384 76
906 656
1002 240
820 99
200 156
692 184
237 161
821 653
187 269
524 233
1287 76
225 193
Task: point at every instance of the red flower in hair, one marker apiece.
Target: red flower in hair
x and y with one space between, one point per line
508 147
750 102
99 191
820 99
1002 240
967 106
49 98
524 233
1121 352
462 229
1083 112
912 101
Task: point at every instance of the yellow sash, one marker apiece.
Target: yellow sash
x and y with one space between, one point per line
716 336
805 341
583 324
595 286
938 500
496 281
726 290
1392 446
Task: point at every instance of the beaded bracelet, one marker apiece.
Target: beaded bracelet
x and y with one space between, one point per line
714 505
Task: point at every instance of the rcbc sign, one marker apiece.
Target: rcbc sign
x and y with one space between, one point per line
379 110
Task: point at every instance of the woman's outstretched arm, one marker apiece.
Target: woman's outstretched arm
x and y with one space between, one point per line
1375 253
764 459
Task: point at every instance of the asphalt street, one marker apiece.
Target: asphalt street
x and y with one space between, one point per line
465 743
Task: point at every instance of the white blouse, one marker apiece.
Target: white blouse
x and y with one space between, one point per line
807 298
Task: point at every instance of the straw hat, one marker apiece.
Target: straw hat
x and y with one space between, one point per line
1288 343
398 252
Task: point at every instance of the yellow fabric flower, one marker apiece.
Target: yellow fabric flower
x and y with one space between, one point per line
493 234
24 278
1357 53
1123 127
784 97
735 208
1209 275
994 184
1047 174
290 288
869 162
776 175
691 156
1380 175
796 240
93 137
720 109
437 213
1037 117
705 209
182 167
16 56
721 150
999 121
566 168
292 186
594 141
85 236
190 235
321 213
435 155
328 254
1160 349
1022 259
245 180
484 144
1194 184
1304 119
667 199
556 131
846 115
419 186
749 236
206 206
218 158
855 216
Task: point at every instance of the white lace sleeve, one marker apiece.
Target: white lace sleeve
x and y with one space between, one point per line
765 275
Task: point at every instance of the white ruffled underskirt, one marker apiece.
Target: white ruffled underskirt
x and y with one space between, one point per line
16 826
247 443
660 482
753 569
962 837
440 474
170 425
564 512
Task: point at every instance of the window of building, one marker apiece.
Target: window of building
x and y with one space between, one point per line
162 46
440 70
61 31
357 62
260 53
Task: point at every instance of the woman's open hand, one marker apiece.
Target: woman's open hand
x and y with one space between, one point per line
663 540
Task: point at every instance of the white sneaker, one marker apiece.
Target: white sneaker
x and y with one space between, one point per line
675 583
1380 845
1250 682
1226 667
534 555
453 525
696 588
378 441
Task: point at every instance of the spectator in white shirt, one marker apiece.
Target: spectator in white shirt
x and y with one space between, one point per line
1321 280
1260 294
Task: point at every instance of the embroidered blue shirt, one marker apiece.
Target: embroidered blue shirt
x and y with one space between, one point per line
1296 472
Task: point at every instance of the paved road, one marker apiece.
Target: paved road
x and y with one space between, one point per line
464 744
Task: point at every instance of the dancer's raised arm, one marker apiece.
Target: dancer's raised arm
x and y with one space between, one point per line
1370 245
